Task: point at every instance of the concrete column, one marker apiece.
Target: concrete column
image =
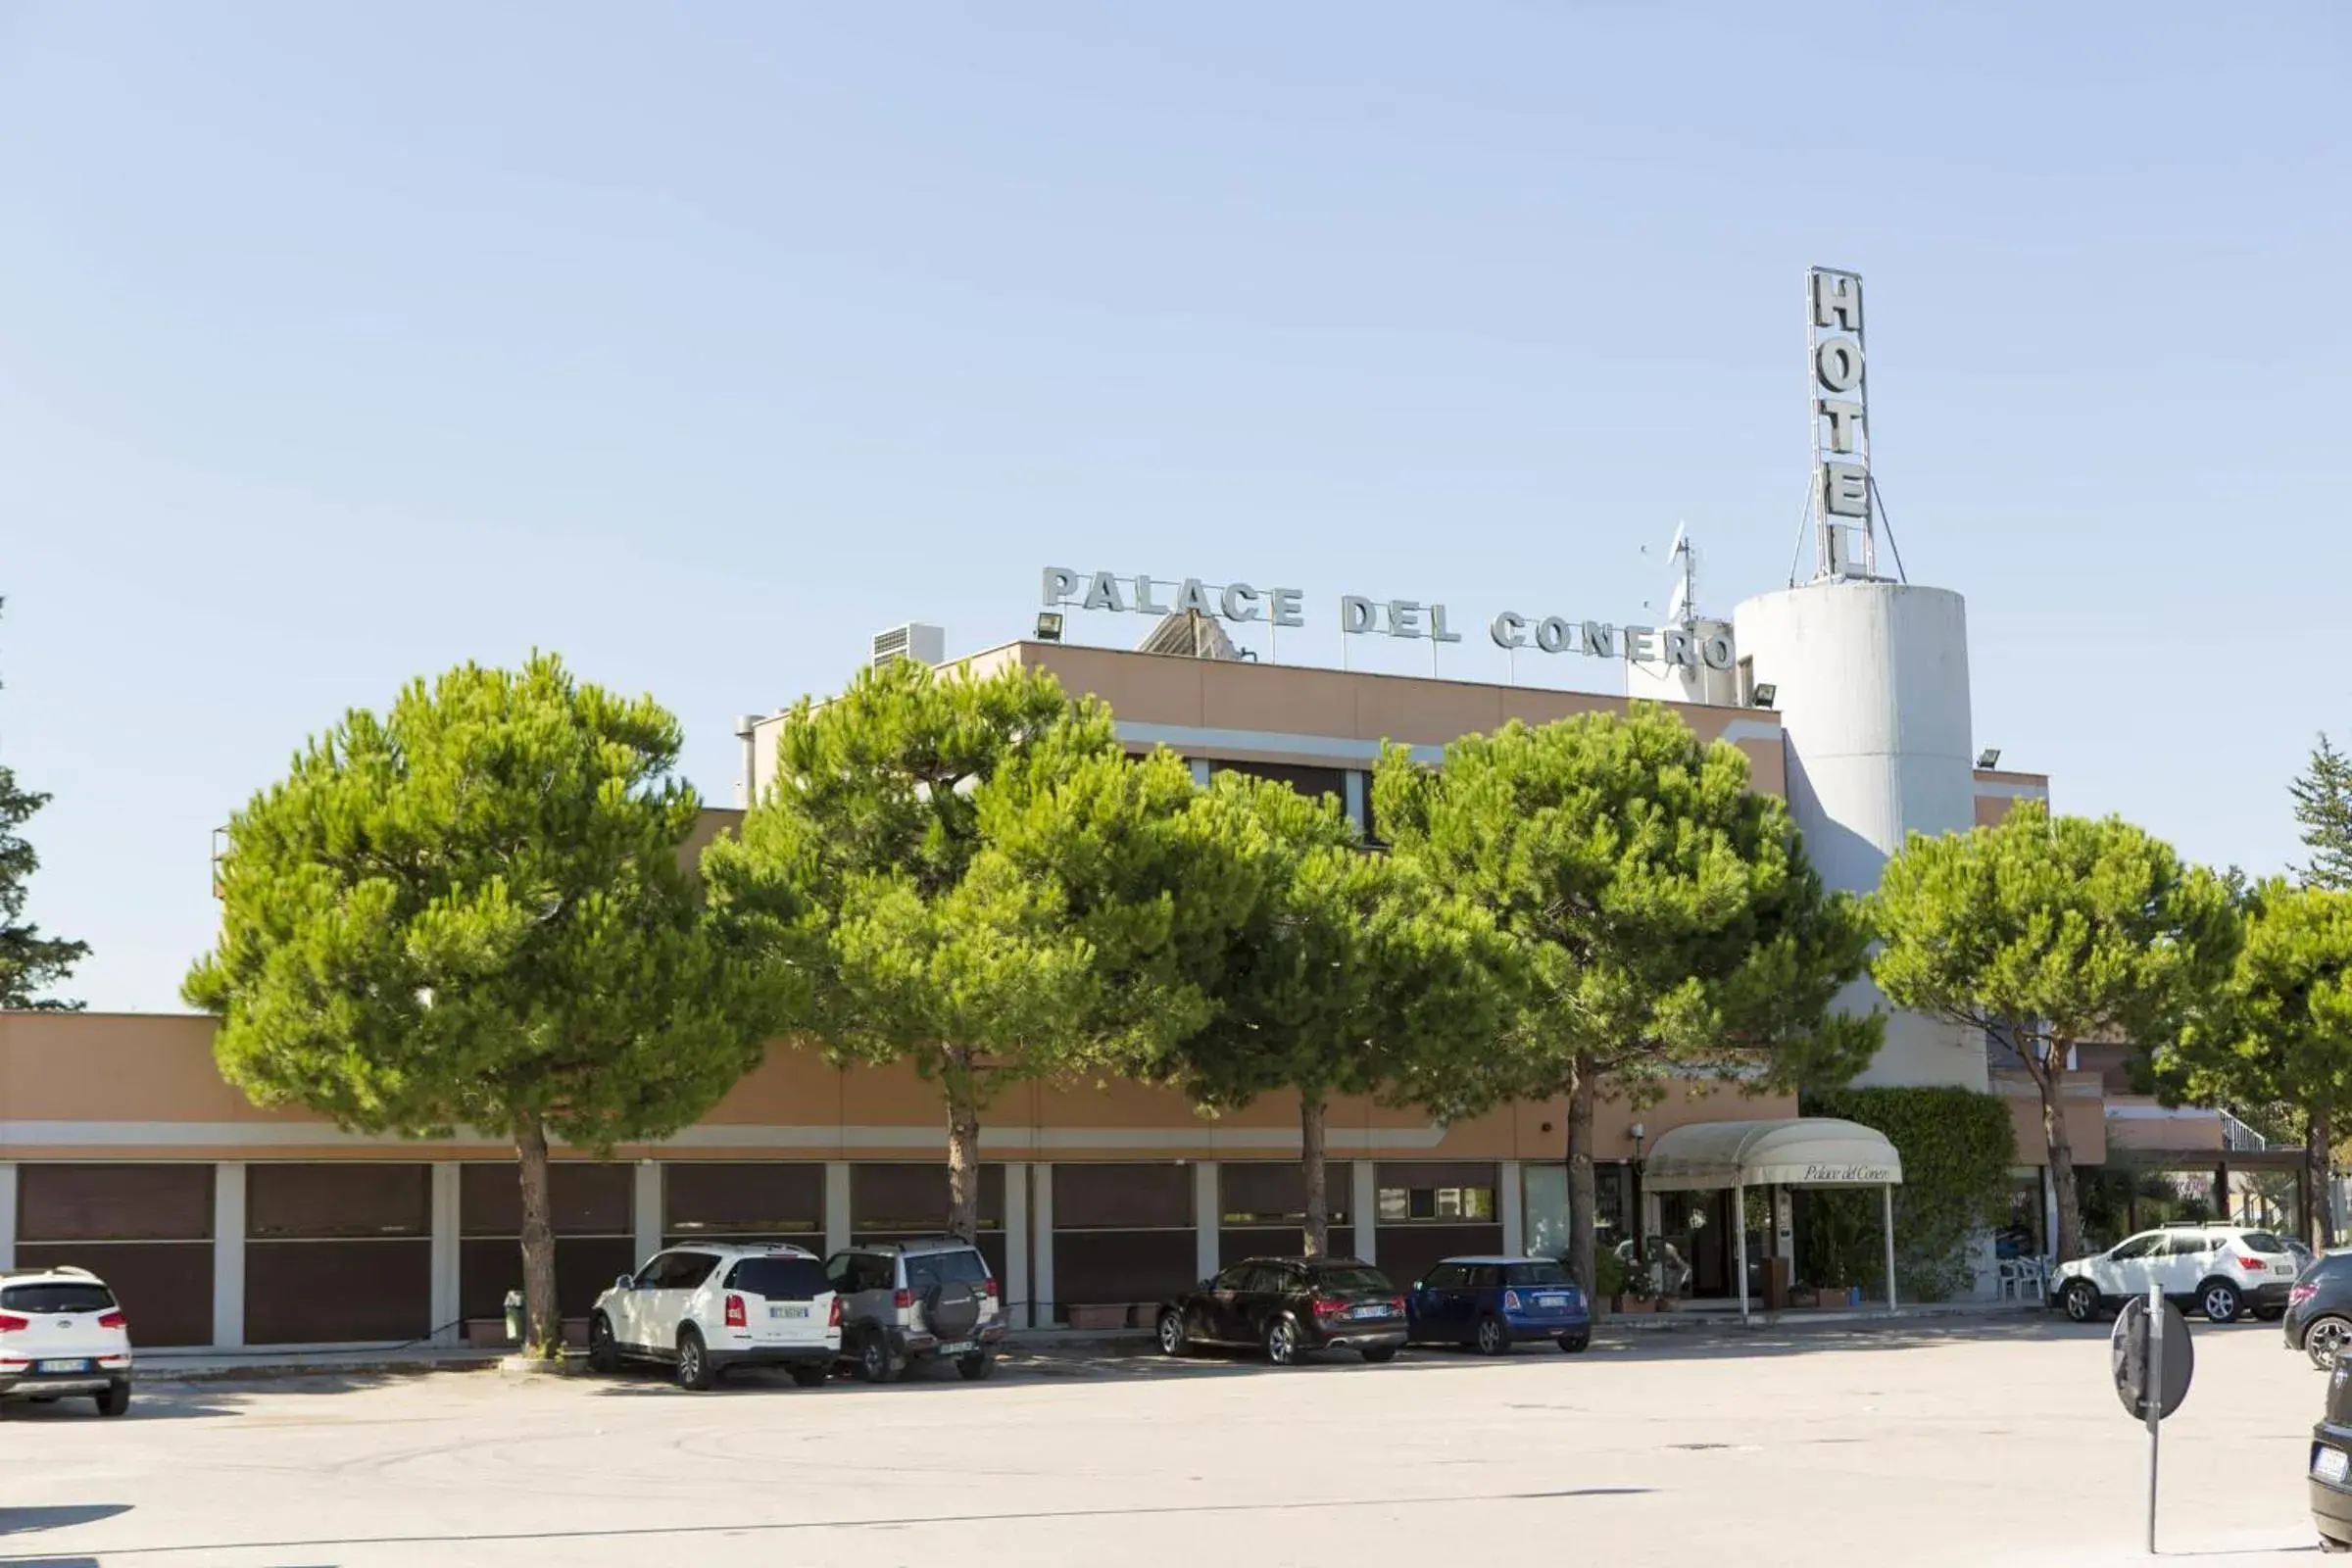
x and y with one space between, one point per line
1209 1214
445 1231
1041 1209
1513 1209
645 1212
1358 799
836 1206
8 1213
2049 1215
1016 1283
1367 1211
229 1253
1200 772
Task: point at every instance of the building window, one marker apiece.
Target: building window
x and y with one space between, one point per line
1307 781
1403 1205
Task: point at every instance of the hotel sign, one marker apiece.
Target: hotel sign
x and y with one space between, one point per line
1362 615
1841 420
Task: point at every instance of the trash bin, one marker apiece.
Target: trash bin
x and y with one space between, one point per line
513 1317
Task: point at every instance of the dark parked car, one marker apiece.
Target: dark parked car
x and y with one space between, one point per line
2319 1310
1496 1302
2330 1472
1290 1307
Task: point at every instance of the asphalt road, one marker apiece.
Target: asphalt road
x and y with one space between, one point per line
1975 1443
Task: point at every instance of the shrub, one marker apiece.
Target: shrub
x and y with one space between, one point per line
1957 1147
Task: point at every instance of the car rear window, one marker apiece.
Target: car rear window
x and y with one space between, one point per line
927 1270
2329 1265
1358 1278
56 1297
2263 1242
780 1279
1534 1274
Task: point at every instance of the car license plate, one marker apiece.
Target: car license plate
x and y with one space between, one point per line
2332 1465
1380 1309
62 1366
960 1348
788 1309
1551 1304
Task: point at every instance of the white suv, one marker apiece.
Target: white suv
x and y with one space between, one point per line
2220 1270
62 1332
705 1308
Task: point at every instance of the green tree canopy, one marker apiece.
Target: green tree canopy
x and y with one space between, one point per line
1662 918
1352 974
2275 1042
29 962
475 912
974 878
2049 931
2324 808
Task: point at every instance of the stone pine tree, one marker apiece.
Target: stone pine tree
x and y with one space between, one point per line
29 962
476 910
2049 931
974 879
2323 808
1350 975
1662 917
2277 1037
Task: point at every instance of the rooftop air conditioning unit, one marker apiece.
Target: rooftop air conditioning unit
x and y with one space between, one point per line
926 644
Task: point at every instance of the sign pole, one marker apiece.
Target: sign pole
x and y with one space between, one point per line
2155 1400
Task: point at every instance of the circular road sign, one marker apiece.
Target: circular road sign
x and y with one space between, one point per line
2130 1350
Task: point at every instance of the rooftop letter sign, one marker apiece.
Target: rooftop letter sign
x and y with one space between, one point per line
1364 615
1841 420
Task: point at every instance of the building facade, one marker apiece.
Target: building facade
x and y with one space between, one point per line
121 1148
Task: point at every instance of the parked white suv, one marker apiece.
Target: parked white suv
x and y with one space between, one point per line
2220 1270
62 1332
706 1308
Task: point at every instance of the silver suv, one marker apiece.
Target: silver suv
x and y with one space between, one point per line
933 1298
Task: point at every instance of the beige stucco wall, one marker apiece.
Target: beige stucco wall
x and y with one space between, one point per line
2084 1098
121 1086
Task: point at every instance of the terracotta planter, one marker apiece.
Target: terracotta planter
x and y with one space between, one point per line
1099 1317
486 1333
575 1333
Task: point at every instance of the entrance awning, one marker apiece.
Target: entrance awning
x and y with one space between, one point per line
1800 1152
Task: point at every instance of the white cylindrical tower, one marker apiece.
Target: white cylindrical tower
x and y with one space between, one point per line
1870 682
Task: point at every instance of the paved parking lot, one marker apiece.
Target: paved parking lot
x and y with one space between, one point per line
1968 1442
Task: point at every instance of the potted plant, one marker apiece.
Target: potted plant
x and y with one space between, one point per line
1608 1284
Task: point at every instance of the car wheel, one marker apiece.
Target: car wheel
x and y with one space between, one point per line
875 1363
694 1360
2080 1299
976 1366
1380 1355
2330 1545
2324 1339
116 1401
1576 1344
2221 1300
1282 1342
811 1377
1493 1338
603 1352
1173 1340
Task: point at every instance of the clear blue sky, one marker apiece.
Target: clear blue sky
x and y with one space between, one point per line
339 344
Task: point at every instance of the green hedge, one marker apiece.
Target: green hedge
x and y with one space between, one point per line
1957 1147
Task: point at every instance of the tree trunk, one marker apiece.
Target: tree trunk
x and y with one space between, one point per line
1582 1090
2061 1145
543 1320
2321 1222
1313 1112
964 1157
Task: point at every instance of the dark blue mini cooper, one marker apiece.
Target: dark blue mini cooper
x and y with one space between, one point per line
1495 1302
